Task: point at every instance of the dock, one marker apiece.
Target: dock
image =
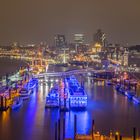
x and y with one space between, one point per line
60 133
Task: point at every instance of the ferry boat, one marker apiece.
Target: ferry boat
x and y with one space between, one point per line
78 97
52 99
68 94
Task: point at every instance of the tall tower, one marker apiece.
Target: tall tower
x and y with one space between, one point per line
100 38
60 40
60 44
125 58
78 40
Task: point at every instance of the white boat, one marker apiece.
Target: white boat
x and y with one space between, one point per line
17 104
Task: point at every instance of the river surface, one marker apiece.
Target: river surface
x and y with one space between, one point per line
9 65
110 110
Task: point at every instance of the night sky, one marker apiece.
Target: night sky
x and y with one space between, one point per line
32 21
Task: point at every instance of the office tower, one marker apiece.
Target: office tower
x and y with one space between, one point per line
60 40
79 38
100 38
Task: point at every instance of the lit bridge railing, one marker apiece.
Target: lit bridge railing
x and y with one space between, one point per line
72 72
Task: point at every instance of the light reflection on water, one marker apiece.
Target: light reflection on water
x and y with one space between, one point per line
110 110
103 106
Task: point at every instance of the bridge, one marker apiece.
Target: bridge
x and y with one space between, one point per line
67 73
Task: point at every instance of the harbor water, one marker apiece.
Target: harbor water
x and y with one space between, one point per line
110 110
8 66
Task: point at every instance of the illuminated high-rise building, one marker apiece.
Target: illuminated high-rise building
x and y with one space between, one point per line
79 38
60 40
100 38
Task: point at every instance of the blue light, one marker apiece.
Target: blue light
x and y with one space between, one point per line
74 94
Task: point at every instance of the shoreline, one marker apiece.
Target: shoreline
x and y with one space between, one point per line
10 66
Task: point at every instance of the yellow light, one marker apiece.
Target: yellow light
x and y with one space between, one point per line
97 45
117 133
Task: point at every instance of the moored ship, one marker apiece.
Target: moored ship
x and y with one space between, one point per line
52 99
78 97
68 94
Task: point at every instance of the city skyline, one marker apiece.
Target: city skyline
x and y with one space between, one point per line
32 22
69 69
